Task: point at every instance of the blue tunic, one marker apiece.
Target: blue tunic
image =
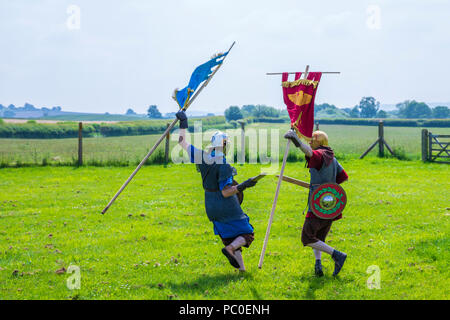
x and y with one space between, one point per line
225 213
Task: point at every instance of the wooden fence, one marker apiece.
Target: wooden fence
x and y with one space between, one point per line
380 141
434 148
80 145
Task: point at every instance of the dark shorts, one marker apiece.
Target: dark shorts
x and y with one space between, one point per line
249 237
315 229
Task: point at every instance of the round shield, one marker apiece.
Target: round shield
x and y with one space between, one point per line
328 201
240 195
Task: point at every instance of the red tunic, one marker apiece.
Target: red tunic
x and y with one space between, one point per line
316 162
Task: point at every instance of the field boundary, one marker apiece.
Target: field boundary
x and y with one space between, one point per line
434 149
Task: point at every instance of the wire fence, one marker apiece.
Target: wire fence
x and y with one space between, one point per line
347 142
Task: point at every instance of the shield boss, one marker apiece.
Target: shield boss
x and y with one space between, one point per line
328 201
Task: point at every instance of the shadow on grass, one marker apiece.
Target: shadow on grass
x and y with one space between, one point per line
208 282
256 294
434 250
315 283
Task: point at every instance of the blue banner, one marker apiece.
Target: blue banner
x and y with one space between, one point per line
200 74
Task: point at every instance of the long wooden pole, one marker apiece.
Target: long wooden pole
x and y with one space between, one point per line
164 134
296 181
167 147
274 205
140 165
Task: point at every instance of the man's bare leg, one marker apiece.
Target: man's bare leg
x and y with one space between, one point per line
240 260
232 250
236 244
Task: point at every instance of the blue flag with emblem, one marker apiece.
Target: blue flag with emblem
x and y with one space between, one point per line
200 74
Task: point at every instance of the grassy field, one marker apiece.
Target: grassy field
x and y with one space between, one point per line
347 141
156 242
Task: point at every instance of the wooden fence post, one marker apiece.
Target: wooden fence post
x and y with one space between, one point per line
424 145
80 143
166 152
381 142
430 145
381 139
242 123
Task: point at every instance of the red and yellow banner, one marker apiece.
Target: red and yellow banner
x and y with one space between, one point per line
299 98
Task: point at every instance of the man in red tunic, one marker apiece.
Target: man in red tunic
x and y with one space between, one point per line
323 168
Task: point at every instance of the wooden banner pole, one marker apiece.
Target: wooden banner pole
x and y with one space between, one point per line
164 134
274 205
167 147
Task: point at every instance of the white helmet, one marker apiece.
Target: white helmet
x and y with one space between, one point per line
218 138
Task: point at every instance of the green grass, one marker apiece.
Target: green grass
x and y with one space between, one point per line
347 141
156 242
119 150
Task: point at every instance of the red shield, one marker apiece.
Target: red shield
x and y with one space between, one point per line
328 201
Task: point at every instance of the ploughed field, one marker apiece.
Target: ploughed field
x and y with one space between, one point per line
156 242
348 141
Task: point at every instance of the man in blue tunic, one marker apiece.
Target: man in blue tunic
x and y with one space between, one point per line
221 201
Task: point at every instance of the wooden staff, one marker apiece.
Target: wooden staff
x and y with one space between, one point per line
164 134
274 205
280 177
296 181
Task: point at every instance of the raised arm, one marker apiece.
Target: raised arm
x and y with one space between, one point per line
298 143
181 115
182 139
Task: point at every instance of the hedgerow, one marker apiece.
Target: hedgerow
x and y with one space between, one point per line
33 130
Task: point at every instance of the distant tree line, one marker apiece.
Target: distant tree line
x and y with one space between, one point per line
367 108
33 130
11 110
250 110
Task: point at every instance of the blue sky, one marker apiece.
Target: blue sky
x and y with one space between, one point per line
130 54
